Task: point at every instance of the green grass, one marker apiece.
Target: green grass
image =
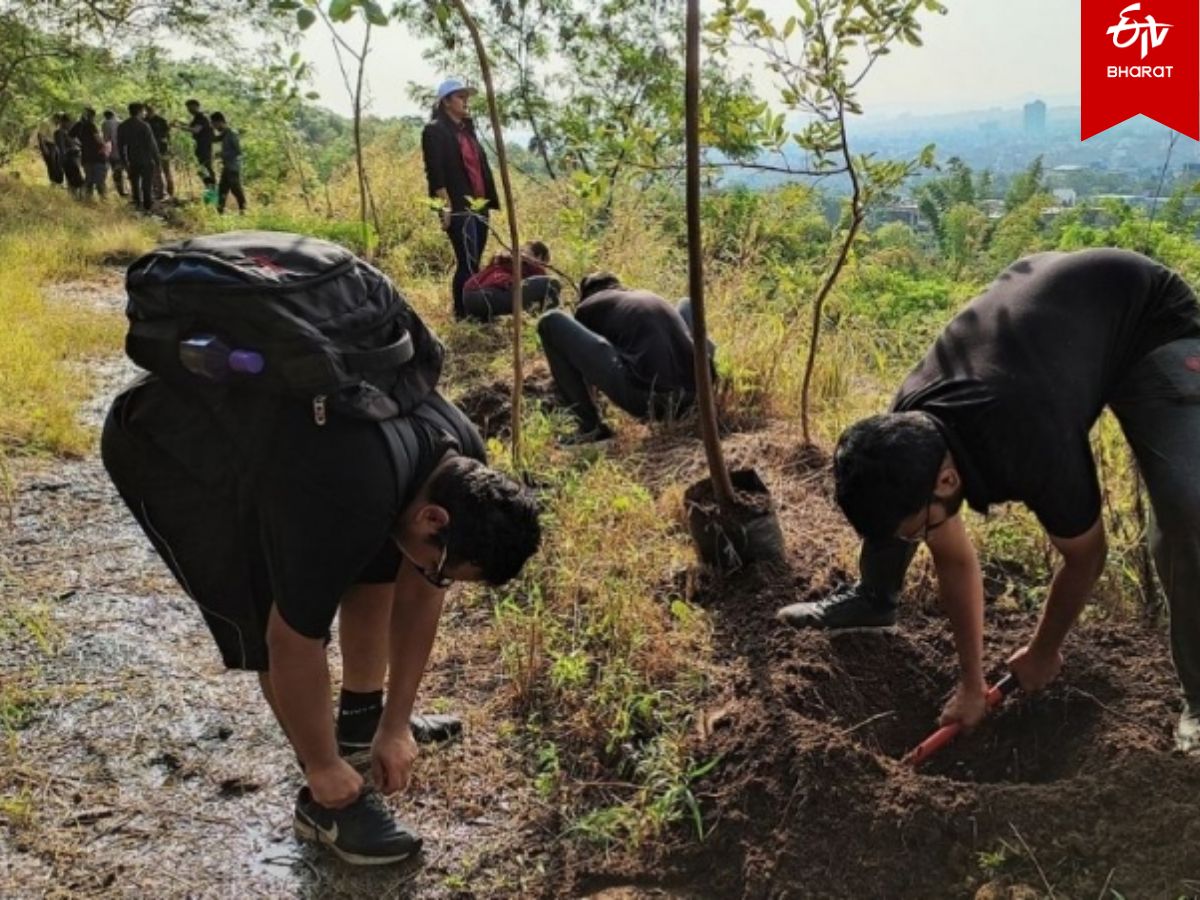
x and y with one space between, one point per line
605 661
47 238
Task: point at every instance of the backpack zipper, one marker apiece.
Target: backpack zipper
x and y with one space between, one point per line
249 284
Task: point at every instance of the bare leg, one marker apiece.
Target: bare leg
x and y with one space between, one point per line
364 617
264 682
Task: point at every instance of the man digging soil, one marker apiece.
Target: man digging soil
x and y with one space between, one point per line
999 410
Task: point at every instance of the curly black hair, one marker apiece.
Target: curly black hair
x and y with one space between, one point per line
493 519
885 468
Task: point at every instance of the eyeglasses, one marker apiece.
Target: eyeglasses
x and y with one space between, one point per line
437 578
923 533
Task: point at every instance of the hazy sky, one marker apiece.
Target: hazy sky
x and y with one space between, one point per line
982 53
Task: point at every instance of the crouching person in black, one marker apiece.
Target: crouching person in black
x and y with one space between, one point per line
367 521
632 346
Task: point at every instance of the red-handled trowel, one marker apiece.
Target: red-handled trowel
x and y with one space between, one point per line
947 733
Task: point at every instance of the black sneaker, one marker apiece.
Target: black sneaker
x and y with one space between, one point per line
426 729
593 436
365 833
435 729
849 608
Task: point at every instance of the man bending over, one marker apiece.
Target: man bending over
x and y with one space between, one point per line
999 410
334 521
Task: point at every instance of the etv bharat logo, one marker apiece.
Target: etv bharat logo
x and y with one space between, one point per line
1151 33
1127 65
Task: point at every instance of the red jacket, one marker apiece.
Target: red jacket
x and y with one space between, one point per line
497 274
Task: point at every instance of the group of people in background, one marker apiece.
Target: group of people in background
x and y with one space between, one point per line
136 151
630 345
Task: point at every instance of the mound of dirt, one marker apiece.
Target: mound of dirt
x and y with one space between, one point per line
489 406
1074 791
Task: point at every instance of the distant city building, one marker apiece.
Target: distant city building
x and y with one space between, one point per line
993 209
1191 168
905 211
1065 196
1035 117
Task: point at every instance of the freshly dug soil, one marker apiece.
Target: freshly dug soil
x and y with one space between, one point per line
1074 790
489 406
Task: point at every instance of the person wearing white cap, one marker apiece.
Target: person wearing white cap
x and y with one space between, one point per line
458 173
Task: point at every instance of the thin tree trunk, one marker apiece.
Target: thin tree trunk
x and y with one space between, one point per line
358 147
1151 601
510 206
718 472
856 218
297 164
523 70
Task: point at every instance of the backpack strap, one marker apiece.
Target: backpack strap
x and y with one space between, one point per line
402 444
380 359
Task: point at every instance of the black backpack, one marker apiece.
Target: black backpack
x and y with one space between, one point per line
331 329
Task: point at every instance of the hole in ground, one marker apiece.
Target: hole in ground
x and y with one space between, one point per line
885 693
1031 740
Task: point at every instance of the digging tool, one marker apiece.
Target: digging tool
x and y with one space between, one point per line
947 733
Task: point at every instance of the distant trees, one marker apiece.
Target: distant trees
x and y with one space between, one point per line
1025 186
598 84
820 57
54 53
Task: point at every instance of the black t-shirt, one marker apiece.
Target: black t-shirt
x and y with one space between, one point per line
162 132
202 133
647 331
137 144
1020 375
329 499
91 146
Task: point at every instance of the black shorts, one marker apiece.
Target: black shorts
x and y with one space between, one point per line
234 553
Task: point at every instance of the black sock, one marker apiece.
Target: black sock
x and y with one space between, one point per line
358 716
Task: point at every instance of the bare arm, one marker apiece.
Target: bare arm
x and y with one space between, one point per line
1038 663
416 609
960 587
299 678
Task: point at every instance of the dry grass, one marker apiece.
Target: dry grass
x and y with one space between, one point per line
603 660
44 239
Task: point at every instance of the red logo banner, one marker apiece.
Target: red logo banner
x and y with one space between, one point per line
1141 57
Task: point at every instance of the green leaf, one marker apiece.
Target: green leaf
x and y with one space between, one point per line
294 60
305 18
788 27
689 800
375 14
341 10
312 95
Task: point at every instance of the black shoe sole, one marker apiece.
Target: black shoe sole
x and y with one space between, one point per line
312 835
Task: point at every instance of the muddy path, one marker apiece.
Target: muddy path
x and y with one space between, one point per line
138 768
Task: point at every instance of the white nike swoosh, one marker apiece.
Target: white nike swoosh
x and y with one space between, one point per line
328 834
